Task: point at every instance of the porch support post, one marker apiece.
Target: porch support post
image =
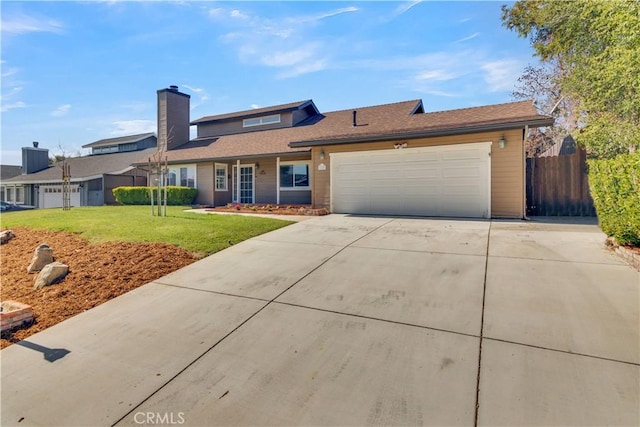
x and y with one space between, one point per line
237 177
277 180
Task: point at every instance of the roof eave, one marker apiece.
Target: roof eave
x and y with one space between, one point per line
228 158
425 133
204 120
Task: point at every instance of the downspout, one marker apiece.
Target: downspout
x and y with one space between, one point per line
237 181
524 175
277 180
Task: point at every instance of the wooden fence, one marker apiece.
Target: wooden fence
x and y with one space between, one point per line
558 186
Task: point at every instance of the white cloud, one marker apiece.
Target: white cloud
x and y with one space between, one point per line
501 75
255 106
215 12
201 96
10 106
472 36
10 88
238 14
10 72
275 43
440 75
304 68
289 58
22 24
406 6
61 111
132 127
325 15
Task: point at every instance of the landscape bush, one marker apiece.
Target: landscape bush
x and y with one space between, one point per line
615 188
176 196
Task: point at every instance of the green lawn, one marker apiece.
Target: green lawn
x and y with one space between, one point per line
197 233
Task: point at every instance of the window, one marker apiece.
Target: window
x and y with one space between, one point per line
184 176
221 177
19 195
294 176
9 194
264 120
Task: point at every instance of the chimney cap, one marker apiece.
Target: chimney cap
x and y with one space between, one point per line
35 144
173 88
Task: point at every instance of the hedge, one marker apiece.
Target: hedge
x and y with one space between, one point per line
615 188
179 196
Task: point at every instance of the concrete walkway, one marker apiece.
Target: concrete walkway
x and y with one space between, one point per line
344 320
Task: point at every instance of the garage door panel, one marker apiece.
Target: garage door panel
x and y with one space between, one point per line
461 172
430 181
463 154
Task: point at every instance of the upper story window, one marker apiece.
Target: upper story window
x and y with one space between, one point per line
105 150
257 121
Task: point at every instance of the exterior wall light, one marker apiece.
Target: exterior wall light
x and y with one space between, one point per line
321 154
502 142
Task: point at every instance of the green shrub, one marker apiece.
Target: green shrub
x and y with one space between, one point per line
132 195
181 196
615 188
177 196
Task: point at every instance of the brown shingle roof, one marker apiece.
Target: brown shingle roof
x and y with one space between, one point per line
119 140
86 167
9 171
255 112
387 121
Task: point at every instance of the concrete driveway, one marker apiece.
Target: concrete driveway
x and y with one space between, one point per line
344 320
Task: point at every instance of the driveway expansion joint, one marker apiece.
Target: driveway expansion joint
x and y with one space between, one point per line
171 285
556 350
484 296
378 319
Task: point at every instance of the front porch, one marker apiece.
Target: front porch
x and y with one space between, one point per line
257 181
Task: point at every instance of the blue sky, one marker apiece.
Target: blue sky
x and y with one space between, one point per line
76 72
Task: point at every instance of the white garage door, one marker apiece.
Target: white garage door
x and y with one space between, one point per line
450 180
50 196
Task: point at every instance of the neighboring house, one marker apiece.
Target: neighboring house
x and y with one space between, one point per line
92 179
391 159
6 172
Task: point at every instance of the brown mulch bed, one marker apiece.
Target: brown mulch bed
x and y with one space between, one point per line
269 209
97 273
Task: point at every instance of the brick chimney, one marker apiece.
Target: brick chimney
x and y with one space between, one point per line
173 117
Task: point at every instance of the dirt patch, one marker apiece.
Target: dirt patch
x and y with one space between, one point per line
97 273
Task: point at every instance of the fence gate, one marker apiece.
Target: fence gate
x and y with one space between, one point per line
558 186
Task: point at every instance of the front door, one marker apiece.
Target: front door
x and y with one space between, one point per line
247 178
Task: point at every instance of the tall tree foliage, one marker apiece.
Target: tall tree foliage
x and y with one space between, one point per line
541 83
598 43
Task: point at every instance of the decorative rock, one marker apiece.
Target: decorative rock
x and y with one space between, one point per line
50 273
5 236
42 256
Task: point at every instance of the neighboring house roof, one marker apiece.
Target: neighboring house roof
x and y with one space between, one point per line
119 140
381 122
85 168
257 112
9 171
